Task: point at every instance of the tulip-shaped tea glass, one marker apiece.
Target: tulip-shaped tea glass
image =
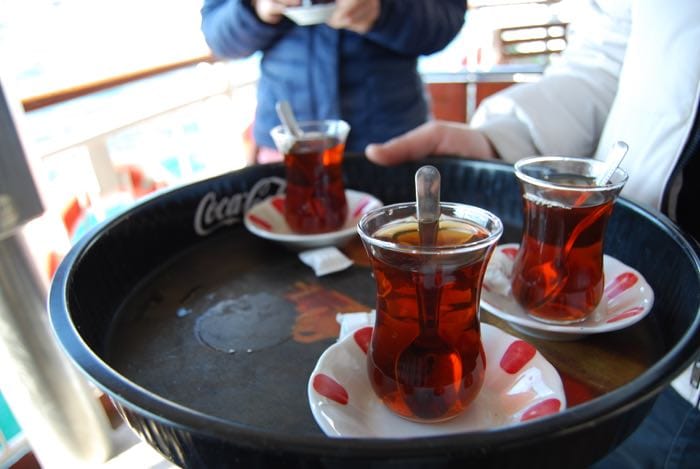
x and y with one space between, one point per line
558 273
425 359
313 158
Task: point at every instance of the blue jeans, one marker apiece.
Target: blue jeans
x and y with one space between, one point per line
669 437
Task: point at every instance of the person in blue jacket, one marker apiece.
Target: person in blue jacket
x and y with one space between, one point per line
360 66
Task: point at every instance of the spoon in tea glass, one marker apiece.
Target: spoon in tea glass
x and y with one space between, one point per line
289 121
428 364
554 271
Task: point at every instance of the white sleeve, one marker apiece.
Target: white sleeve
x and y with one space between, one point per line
564 112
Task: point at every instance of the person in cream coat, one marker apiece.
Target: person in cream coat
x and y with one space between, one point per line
631 72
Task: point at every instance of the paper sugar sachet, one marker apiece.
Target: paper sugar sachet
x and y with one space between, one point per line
325 260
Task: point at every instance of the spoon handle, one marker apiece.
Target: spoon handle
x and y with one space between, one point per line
427 203
286 115
618 151
427 180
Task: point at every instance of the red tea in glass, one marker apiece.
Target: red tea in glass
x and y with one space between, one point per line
425 360
315 196
558 272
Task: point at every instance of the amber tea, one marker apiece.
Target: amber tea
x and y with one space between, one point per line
315 199
553 281
558 272
425 360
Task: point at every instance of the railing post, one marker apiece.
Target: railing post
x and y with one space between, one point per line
58 411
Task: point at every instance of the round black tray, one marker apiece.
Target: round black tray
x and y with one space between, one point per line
204 336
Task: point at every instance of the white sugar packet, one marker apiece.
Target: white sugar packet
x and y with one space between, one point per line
326 260
498 273
350 322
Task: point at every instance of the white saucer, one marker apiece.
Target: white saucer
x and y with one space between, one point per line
627 299
309 15
344 405
266 219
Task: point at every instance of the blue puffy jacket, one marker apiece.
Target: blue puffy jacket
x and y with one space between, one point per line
369 80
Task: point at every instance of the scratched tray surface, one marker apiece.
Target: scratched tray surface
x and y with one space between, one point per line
222 329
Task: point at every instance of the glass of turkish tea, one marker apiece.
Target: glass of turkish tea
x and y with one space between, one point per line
558 272
315 195
425 360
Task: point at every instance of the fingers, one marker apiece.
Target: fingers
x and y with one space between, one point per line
432 138
270 11
411 146
355 15
459 139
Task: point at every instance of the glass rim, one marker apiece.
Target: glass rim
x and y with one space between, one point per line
282 129
518 168
494 233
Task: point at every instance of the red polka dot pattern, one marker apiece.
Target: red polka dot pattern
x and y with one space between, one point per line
362 337
546 407
626 314
510 252
260 222
330 388
518 354
278 204
622 282
361 207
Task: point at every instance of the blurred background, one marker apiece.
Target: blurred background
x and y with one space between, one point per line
118 99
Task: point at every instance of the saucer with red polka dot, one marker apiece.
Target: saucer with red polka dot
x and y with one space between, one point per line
627 299
519 386
266 220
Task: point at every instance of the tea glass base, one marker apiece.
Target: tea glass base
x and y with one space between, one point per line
540 333
344 404
597 314
429 421
558 323
627 299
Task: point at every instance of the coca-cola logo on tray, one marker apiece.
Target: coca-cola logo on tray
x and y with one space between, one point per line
215 210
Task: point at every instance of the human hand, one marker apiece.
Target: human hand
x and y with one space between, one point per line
355 15
432 138
270 11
